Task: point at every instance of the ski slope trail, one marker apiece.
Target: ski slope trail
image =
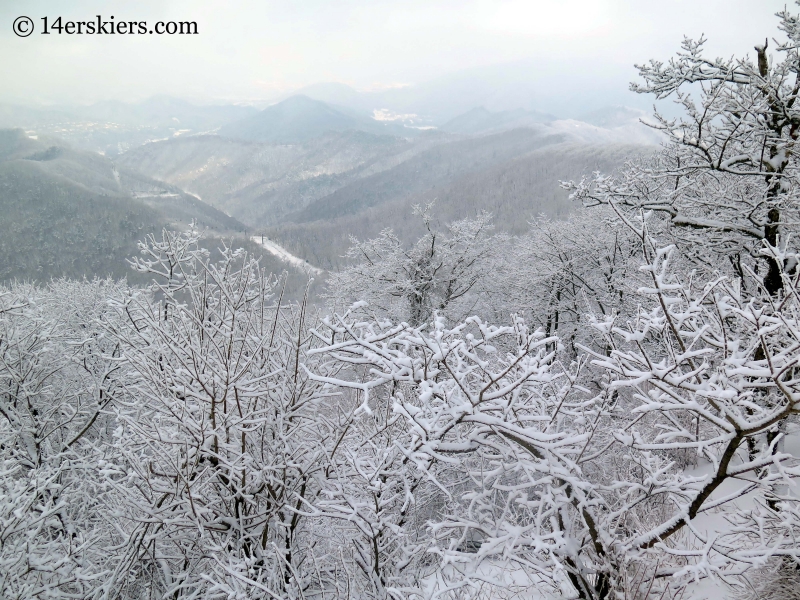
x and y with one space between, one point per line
282 253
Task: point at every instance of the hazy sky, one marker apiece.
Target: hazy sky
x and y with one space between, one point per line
256 50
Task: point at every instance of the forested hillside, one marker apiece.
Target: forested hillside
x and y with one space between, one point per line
516 192
261 183
73 213
312 197
54 227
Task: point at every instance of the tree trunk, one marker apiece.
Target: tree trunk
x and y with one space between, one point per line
773 282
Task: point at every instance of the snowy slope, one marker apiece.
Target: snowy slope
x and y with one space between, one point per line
286 256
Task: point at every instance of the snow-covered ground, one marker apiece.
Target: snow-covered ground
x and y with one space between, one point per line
154 194
713 523
631 132
286 256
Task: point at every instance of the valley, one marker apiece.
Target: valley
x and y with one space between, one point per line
312 192
312 176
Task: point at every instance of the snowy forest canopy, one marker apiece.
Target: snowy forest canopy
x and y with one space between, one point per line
605 407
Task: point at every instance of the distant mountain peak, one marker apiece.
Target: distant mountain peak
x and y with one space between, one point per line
330 92
299 118
296 119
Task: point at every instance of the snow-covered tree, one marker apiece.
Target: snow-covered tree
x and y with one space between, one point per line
578 471
445 271
381 503
225 439
58 380
560 271
727 179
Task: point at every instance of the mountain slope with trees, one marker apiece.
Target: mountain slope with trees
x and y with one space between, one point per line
72 213
516 192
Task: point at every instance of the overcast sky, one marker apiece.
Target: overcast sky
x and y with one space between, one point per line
257 50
